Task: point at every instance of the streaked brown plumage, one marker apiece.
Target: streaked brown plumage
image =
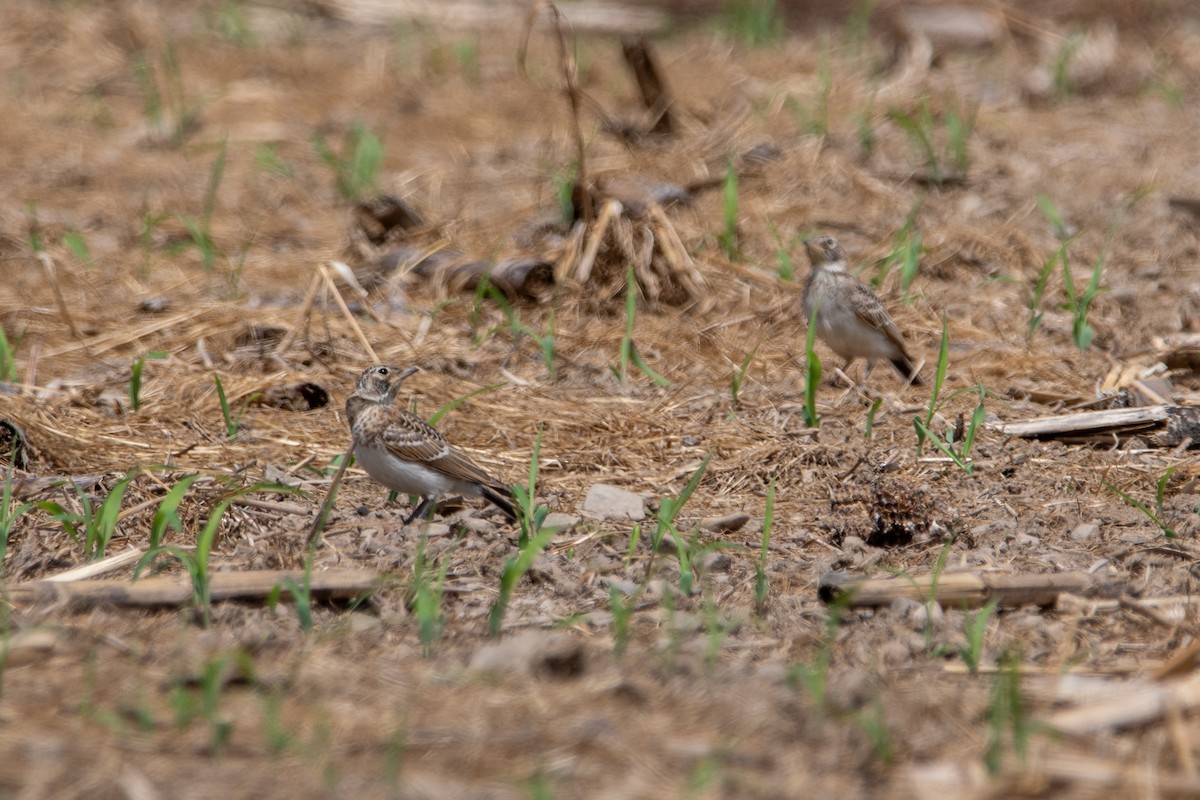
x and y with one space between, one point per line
407 454
850 317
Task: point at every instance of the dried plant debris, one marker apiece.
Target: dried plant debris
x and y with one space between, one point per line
294 396
13 449
890 513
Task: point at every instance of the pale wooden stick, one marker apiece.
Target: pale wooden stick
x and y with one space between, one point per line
1127 706
341 302
956 589
611 208
100 567
170 591
1114 775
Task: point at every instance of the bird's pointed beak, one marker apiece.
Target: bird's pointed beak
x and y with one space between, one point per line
406 372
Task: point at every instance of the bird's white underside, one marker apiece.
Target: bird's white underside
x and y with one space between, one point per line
849 337
408 477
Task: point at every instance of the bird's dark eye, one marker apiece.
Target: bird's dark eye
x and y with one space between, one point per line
383 370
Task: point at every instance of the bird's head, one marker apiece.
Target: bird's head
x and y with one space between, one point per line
379 382
825 253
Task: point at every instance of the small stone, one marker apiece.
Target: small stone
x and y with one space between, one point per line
851 691
621 585
853 544
924 615
716 561
476 524
894 653
605 501
1085 532
691 441
902 607
361 622
155 305
990 530
1025 540
556 654
726 524
560 521
434 529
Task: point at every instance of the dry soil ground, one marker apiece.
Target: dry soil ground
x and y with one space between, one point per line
116 116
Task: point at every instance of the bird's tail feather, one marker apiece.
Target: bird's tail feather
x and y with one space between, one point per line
908 370
501 497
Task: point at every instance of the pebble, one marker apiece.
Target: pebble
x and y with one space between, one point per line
716 561
605 501
551 653
726 524
561 521
1085 532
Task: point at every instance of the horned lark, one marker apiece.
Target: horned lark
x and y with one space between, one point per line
406 454
850 318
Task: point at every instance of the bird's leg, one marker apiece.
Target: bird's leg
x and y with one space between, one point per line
421 511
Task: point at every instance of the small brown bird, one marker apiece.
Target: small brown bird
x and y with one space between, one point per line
405 453
850 318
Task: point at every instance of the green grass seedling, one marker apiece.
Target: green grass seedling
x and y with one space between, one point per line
946 156
873 722
739 377
8 359
563 182
196 562
1159 519
621 608
10 512
356 168
628 353
783 254
92 526
761 586
233 424
814 675
545 341
812 373
858 25
135 379
170 117
755 22
231 24
532 540
1064 83
1008 718
728 238
958 451
449 406
975 628
1058 223
1039 289
939 378
813 118
514 569
869 428
717 626
427 589
166 516
1078 303
669 507
467 55
201 230
78 246
299 591
268 159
